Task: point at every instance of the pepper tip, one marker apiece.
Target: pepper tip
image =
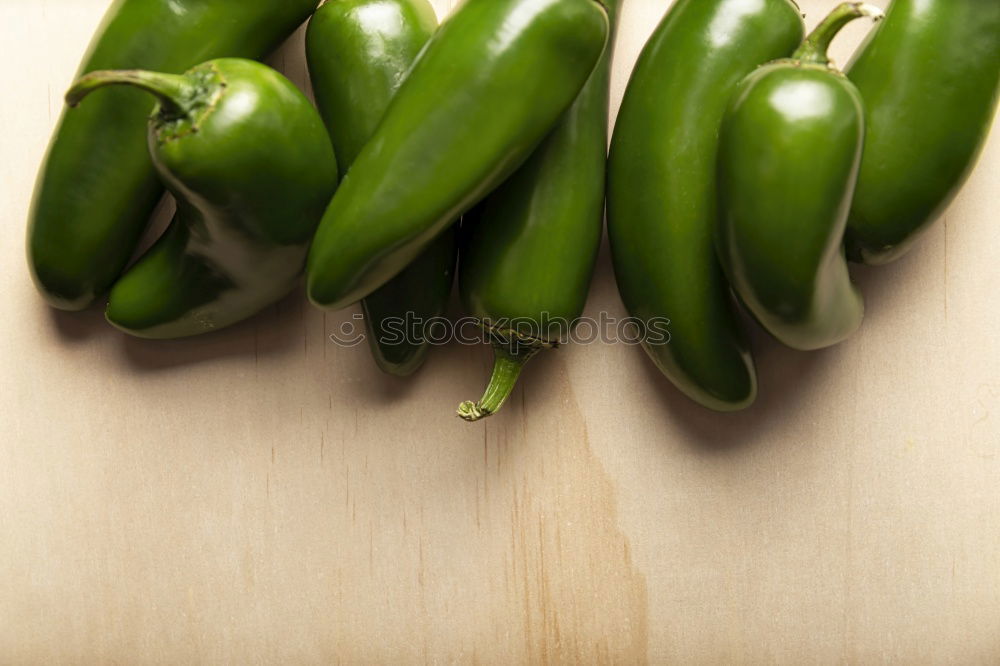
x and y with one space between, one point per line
873 12
471 411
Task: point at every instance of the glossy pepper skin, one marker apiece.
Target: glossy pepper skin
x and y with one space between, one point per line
250 164
529 248
491 82
930 76
661 188
97 187
789 151
359 52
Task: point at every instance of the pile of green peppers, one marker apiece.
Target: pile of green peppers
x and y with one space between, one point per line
745 170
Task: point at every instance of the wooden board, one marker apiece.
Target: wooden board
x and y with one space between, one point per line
262 495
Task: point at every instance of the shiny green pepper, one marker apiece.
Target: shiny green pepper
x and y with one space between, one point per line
661 189
930 78
489 85
359 52
529 248
97 187
789 151
250 164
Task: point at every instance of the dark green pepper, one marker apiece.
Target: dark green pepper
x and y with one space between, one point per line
789 151
359 52
97 187
529 248
661 188
488 86
251 166
930 77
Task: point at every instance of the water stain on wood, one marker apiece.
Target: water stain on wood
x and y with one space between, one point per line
570 581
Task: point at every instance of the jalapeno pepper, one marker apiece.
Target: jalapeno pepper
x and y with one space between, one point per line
528 254
97 187
251 166
359 52
789 151
930 77
491 82
661 189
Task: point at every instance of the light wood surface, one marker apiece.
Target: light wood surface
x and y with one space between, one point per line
262 495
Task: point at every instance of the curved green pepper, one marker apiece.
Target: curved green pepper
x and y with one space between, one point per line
359 52
789 151
491 82
251 166
529 248
930 78
661 188
97 187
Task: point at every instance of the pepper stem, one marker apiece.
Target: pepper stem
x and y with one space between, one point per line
173 91
509 358
816 46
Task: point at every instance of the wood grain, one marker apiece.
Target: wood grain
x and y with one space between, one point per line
262 495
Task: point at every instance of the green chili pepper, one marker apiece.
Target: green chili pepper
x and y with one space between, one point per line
529 253
97 187
930 78
491 82
789 151
252 168
661 189
359 52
